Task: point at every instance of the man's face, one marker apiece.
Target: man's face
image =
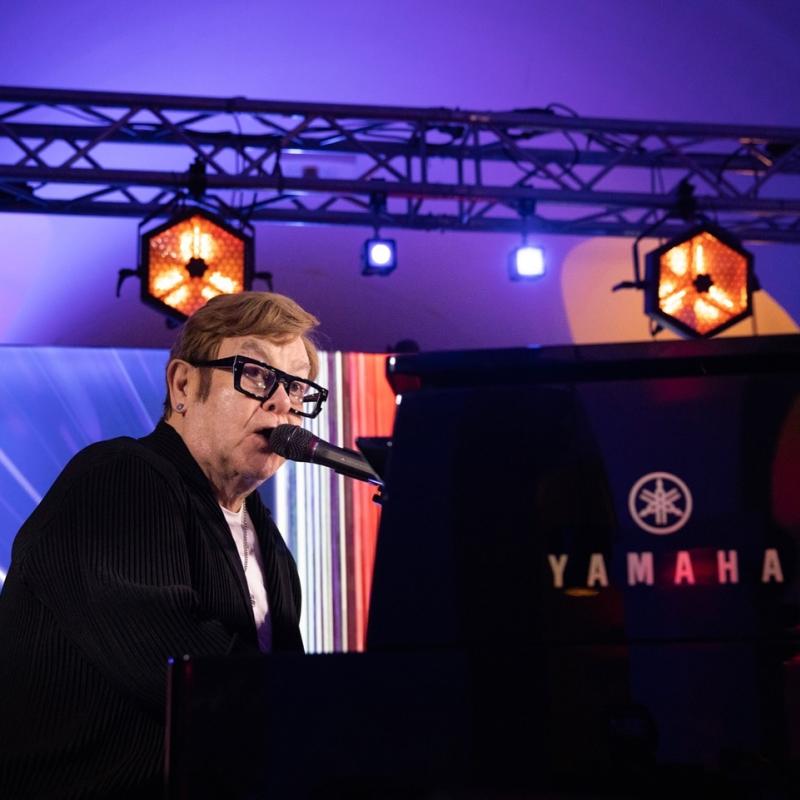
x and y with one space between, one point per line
224 432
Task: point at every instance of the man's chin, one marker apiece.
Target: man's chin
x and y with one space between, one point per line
268 466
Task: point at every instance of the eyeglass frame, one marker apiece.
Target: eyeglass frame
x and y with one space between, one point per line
237 363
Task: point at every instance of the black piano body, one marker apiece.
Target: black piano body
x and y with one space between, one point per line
585 584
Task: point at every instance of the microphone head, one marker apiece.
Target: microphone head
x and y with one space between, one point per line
293 442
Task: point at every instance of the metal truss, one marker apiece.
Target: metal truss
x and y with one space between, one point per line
530 170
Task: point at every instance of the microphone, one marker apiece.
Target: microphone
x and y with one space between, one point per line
298 444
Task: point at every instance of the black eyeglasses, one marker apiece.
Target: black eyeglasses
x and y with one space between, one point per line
260 381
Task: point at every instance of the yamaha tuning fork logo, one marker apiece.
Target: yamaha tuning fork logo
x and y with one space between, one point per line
660 503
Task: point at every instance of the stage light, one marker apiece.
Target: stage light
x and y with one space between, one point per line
191 258
378 256
700 283
526 263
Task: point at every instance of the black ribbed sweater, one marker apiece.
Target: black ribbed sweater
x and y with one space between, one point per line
127 561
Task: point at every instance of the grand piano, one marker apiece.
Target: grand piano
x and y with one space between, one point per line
585 585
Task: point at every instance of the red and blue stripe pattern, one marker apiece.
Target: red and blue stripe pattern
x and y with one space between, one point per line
330 522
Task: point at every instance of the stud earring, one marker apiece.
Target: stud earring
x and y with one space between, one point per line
180 408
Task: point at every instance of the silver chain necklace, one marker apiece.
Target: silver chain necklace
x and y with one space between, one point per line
244 537
246 545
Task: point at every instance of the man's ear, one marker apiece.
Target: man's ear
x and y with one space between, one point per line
180 380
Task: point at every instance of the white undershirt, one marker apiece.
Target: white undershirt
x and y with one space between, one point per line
254 572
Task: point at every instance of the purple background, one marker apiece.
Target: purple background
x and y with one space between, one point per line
735 61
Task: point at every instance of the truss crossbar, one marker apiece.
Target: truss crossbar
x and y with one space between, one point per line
114 154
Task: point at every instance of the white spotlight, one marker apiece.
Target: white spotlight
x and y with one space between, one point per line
526 263
378 256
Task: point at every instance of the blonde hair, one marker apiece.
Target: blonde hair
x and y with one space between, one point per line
267 314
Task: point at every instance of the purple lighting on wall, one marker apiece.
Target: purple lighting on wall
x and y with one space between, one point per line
59 271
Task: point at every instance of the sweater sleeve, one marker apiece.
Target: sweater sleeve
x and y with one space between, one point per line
109 560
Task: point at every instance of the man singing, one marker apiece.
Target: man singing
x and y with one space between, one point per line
149 548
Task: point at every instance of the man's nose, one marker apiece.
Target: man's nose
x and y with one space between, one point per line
279 403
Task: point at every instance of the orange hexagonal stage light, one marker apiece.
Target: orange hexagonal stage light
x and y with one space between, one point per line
190 259
700 283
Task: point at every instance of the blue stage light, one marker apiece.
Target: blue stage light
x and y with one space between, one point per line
378 256
526 263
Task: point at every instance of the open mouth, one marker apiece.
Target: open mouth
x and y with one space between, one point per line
265 433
